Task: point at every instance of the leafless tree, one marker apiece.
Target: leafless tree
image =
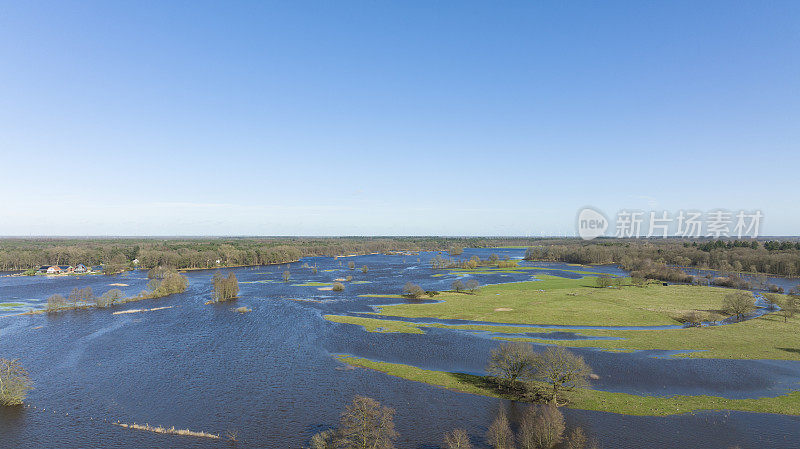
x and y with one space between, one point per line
564 371
512 361
14 382
738 304
499 435
457 439
542 427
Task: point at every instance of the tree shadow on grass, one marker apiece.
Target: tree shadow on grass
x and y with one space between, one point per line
792 350
491 386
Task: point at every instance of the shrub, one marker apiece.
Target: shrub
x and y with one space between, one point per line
338 287
364 269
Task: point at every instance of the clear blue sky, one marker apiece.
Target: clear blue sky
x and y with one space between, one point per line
373 117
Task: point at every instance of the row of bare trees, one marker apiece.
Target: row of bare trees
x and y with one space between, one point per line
366 424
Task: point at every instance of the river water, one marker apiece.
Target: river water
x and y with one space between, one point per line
270 374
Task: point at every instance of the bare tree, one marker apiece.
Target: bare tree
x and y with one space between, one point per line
413 291
472 285
55 302
564 371
576 439
457 439
604 281
499 435
14 382
789 307
457 285
365 423
542 427
512 361
738 304
324 440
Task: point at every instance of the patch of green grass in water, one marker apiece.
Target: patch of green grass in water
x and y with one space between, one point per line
313 284
623 403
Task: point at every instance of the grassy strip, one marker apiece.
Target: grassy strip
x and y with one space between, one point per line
167 430
623 403
766 337
373 325
556 300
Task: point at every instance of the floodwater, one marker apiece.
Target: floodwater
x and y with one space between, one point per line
270 374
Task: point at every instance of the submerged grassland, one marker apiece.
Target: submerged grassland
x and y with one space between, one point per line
623 403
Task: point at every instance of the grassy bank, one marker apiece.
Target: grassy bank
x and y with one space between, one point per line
766 337
622 403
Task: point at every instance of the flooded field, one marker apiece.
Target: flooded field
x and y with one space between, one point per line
271 374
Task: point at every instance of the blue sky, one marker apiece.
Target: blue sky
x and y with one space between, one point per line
392 118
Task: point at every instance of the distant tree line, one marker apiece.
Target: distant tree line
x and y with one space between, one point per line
771 257
118 254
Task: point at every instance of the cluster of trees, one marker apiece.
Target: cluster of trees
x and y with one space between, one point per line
83 298
779 258
366 424
441 263
541 427
224 288
515 366
15 382
459 286
163 282
23 254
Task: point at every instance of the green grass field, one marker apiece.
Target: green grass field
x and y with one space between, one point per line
578 302
556 300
